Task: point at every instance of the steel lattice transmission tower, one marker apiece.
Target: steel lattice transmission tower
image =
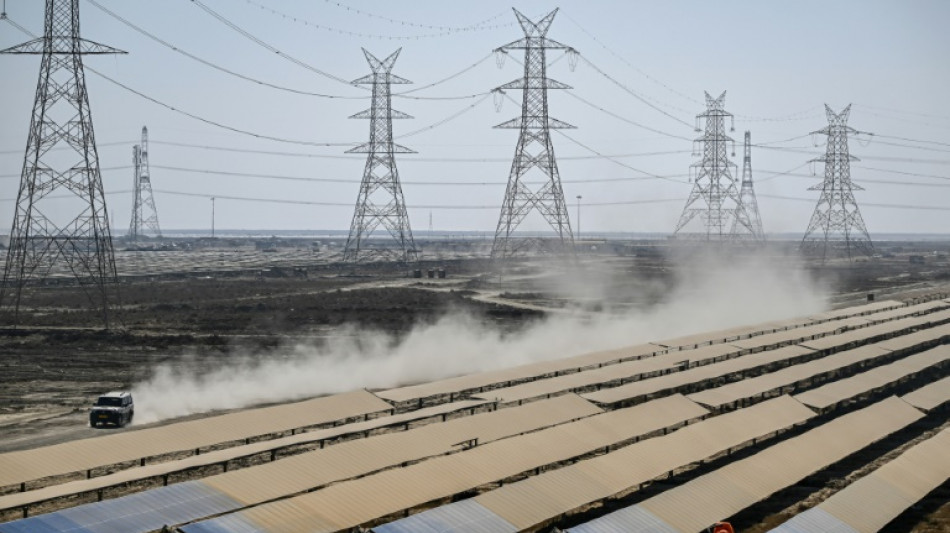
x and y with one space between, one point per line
142 191
534 150
380 201
715 196
48 232
748 217
836 225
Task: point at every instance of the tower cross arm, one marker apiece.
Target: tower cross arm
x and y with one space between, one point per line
534 83
833 130
372 79
368 113
833 157
370 148
534 42
62 45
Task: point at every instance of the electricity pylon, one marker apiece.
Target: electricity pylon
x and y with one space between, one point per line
715 197
836 225
142 191
380 201
535 150
48 231
748 217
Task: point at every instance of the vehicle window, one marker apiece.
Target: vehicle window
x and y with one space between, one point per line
109 402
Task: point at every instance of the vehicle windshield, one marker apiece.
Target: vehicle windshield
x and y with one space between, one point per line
109 401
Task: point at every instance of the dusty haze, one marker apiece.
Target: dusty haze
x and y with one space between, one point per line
709 292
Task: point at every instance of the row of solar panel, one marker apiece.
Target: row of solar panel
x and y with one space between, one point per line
294 517
236 489
213 497
690 507
77 456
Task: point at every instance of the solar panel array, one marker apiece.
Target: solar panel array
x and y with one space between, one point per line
28 465
870 503
233 490
722 493
542 451
542 497
222 457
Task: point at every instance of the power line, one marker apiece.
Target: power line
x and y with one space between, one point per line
786 173
415 159
416 24
624 119
220 18
910 140
257 135
351 181
349 205
635 94
601 155
805 114
865 204
442 30
925 115
902 145
904 119
915 174
405 94
647 175
624 61
187 114
214 65
446 119
766 143
212 122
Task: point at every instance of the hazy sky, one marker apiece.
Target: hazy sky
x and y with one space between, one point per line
779 61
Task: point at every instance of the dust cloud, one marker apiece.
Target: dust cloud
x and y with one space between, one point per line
707 292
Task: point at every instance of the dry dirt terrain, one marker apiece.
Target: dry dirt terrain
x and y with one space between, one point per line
58 358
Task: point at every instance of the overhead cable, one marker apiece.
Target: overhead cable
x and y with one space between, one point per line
635 94
417 24
220 18
441 31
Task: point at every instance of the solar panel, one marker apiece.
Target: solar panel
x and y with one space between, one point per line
548 495
466 515
930 397
722 493
193 500
870 503
351 503
672 382
24 499
27 465
144 511
844 389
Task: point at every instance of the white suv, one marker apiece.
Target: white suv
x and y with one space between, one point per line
112 408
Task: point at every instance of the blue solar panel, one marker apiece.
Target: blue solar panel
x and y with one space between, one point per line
232 523
141 512
40 524
466 516
814 519
633 519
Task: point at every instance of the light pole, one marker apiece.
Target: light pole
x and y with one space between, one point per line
579 216
212 217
